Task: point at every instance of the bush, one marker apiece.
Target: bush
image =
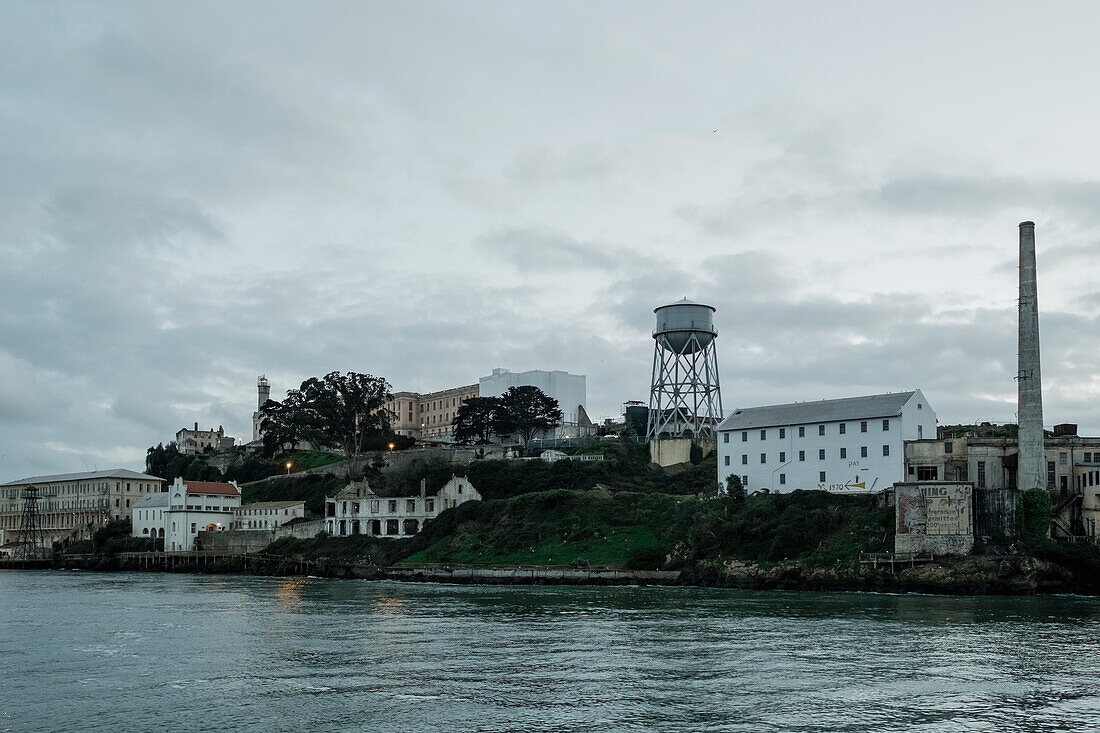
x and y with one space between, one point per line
1033 517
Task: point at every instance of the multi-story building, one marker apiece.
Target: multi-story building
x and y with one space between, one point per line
192 440
267 514
356 509
990 463
855 444
428 415
570 390
192 506
74 505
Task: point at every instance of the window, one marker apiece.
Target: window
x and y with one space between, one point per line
374 506
727 460
744 436
821 476
744 459
843 428
843 452
801 455
802 431
1088 458
192 528
763 435
926 473
429 504
886 450
782 479
782 456
920 406
821 454
885 424
981 474
1050 475
782 433
820 429
948 447
393 506
863 426
744 481
410 505
863 451
725 437
1062 458
763 457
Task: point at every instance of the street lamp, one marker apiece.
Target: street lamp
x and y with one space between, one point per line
391 447
288 468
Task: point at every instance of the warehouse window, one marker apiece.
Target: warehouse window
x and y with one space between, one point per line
763 457
843 428
821 476
782 479
744 436
843 452
821 454
863 451
727 460
863 426
783 434
725 437
885 450
801 455
802 431
744 481
820 429
744 459
763 435
885 424
782 456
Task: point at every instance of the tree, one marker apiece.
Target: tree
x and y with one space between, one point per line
525 411
340 411
476 420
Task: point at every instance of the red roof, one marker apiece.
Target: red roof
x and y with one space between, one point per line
211 487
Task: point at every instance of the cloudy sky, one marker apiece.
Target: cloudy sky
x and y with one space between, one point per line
193 194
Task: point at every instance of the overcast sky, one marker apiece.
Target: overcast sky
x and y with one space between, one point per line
192 194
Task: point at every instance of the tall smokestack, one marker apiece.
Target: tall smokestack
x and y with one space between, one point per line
1030 471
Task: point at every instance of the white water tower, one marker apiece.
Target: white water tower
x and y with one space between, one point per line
684 396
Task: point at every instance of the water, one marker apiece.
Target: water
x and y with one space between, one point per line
94 651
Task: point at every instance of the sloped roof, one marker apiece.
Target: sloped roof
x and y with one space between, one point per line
154 500
797 413
211 487
272 504
123 473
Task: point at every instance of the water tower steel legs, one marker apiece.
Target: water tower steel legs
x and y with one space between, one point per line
685 394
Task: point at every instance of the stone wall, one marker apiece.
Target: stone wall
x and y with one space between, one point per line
235 541
934 518
301 530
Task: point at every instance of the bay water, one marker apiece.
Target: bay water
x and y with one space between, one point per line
154 651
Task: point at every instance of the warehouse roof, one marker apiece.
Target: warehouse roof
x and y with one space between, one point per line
123 473
798 413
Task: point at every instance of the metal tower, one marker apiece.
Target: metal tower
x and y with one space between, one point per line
32 543
684 396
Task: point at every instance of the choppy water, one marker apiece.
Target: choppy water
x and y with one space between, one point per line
83 651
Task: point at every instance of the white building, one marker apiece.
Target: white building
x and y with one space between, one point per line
358 510
267 514
570 390
855 444
192 506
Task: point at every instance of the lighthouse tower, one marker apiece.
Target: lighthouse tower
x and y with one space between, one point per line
263 387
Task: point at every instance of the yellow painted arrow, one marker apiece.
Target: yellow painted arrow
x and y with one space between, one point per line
860 485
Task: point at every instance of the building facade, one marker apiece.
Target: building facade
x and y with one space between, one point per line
191 441
358 510
570 390
850 445
192 506
428 415
74 505
267 514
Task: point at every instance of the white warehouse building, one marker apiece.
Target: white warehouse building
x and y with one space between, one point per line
850 445
570 390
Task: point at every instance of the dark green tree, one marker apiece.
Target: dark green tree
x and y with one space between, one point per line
476 420
526 411
336 411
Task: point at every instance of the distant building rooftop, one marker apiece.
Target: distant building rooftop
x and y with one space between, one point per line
846 408
123 473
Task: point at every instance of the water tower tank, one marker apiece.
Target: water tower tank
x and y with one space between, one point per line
677 322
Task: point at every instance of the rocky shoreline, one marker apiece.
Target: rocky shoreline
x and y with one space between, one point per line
971 575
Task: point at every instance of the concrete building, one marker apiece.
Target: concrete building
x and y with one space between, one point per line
934 518
74 505
192 506
570 390
148 517
191 441
267 514
428 415
855 444
358 510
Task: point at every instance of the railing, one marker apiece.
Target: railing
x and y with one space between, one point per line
892 559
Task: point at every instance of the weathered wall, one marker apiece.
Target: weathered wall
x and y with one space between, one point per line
301 530
235 541
995 512
670 451
934 517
